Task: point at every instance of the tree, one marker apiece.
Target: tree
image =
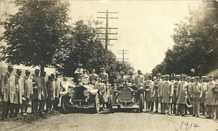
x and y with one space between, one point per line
196 43
82 46
35 32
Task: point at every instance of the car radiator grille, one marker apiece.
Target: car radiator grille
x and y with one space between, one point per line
125 95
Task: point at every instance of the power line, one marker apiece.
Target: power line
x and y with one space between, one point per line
107 35
124 58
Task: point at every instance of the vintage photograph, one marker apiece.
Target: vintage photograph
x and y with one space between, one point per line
108 65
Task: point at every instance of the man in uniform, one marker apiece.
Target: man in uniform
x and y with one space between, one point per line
174 83
210 101
85 77
42 93
57 91
104 78
7 82
93 77
27 92
204 84
139 79
156 92
19 84
182 95
36 85
189 100
166 94
148 94
50 85
103 75
196 95
78 72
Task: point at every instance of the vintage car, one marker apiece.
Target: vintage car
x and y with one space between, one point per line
127 96
82 97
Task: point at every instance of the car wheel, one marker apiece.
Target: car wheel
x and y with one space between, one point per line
141 102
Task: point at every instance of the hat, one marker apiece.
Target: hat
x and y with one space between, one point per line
167 76
27 72
197 77
37 70
177 76
10 67
18 71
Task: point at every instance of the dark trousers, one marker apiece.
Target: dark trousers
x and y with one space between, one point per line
202 108
164 108
196 108
5 109
24 106
181 109
49 104
35 105
174 105
174 108
16 109
149 106
55 103
156 103
41 106
210 111
12 109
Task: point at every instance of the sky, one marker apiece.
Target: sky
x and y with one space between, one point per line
145 27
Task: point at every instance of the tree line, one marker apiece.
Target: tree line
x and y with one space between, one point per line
196 43
40 34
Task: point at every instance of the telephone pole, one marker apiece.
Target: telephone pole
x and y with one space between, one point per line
106 31
124 58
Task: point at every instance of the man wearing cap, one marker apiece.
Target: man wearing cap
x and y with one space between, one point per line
93 77
196 95
204 85
57 91
78 72
36 83
8 85
156 92
188 108
182 95
148 94
165 93
102 93
50 91
85 77
210 101
28 91
189 99
19 84
139 79
104 75
175 82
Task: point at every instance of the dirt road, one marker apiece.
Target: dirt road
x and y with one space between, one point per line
113 122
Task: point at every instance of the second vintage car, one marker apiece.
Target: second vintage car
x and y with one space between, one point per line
127 96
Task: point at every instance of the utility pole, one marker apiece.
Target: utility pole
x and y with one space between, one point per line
107 29
124 58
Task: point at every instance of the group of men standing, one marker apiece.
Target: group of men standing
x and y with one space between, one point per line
43 92
18 91
182 95
165 94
